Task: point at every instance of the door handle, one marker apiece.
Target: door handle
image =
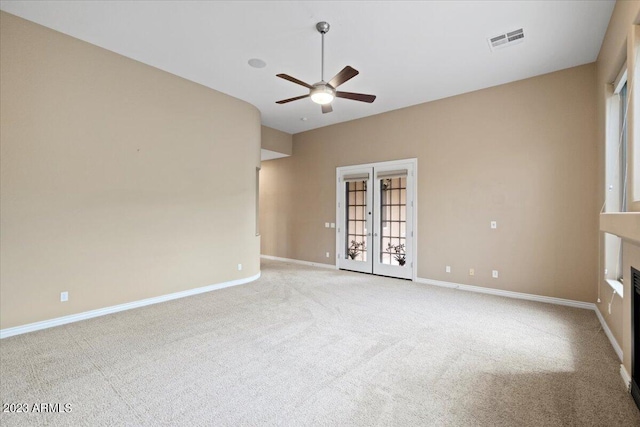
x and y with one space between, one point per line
375 234
369 234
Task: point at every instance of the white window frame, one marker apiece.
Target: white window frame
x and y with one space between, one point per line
616 187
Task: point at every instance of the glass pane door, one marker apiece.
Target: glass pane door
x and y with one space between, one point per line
375 218
393 221
354 231
356 203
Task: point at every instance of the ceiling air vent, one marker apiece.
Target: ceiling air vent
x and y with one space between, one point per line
506 39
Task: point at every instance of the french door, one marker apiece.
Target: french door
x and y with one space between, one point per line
375 208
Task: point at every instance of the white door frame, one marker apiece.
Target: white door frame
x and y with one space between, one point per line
411 198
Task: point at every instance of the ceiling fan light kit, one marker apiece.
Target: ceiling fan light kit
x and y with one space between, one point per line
324 93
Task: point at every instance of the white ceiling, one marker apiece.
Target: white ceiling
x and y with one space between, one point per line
407 52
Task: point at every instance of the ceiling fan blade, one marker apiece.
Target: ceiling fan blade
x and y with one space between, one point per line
356 96
346 74
294 80
284 101
326 108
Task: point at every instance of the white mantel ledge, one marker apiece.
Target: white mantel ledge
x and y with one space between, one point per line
623 224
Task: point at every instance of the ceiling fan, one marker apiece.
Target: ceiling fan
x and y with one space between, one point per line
322 92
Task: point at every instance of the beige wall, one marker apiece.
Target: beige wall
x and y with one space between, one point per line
275 140
119 181
522 154
613 54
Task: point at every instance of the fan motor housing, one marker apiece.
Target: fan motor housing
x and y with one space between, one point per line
323 27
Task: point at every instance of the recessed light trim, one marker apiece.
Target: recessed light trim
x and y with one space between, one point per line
257 63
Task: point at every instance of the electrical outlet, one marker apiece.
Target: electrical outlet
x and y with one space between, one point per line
494 224
64 296
447 269
494 274
472 272
239 267
328 255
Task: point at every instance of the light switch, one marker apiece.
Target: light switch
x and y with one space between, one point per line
326 225
494 224
333 225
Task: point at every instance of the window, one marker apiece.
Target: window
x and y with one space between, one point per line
616 174
257 201
616 146
393 220
622 186
634 100
356 221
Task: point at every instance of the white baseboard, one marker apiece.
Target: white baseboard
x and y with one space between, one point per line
9 332
626 378
297 261
508 294
609 334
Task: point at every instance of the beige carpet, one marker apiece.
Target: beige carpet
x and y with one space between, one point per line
305 346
